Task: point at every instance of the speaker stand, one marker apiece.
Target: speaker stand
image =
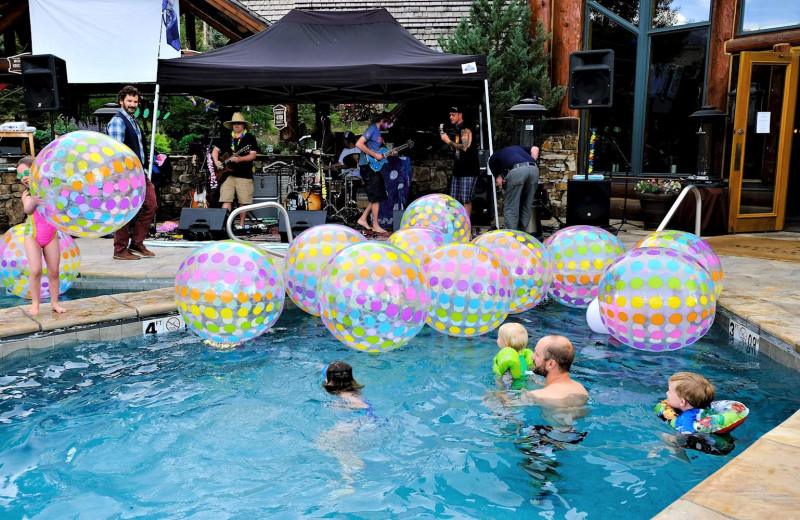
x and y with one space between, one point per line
628 169
52 127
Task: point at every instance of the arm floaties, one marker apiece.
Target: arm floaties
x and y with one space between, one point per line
720 417
517 362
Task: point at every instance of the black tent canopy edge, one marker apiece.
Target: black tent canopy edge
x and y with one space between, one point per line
326 57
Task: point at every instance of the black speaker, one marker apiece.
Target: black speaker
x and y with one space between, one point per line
44 78
588 202
265 186
591 79
300 220
204 223
482 201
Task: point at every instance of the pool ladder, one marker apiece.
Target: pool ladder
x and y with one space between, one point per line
690 188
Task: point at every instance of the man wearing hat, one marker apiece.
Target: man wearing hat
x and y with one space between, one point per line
348 159
239 181
466 167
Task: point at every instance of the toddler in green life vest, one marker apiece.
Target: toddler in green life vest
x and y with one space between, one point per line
514 361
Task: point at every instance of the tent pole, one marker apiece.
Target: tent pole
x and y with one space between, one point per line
153 134
491 151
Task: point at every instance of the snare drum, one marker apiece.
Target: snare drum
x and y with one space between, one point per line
302 201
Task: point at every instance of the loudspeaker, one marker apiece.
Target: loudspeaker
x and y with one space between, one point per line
591 79
300 220
482 201
264 212
265 186
44 78
203 223
588 202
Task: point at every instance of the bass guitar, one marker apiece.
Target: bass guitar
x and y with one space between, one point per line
227 164
376 165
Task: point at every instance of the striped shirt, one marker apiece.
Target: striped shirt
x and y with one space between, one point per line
116 129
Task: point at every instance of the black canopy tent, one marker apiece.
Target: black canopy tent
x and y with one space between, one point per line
328 57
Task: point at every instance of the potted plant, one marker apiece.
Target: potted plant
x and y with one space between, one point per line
656 197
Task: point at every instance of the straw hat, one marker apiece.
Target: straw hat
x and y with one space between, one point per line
238 118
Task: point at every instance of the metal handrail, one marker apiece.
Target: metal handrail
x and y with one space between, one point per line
259 205
677 203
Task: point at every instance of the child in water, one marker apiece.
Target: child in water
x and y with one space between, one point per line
40 237
514 361
688 394
339 381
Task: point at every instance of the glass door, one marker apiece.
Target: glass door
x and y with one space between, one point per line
762 140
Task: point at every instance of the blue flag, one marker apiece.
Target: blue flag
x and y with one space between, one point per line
169 13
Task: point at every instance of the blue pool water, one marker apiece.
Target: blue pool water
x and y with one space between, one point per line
167 427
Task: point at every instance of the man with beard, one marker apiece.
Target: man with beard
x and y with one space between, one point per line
552 359
124 128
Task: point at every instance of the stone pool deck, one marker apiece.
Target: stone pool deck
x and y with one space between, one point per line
762 295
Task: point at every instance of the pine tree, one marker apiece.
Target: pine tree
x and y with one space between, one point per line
516 61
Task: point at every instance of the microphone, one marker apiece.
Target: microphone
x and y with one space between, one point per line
8 169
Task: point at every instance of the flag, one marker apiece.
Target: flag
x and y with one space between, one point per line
169 10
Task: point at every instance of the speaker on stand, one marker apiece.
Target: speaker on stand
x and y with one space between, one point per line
591 79
44 80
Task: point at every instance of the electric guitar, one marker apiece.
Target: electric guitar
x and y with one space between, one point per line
376 165
227 164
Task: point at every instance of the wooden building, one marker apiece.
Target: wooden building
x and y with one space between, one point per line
672 57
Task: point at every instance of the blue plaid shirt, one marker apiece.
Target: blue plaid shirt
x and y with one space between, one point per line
116 129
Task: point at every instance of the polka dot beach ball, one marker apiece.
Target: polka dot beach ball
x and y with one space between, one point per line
527 260
417 242
580 255
14 270
307 257
689 244
229 292
442 213
657 299
470 290
91 184
374 297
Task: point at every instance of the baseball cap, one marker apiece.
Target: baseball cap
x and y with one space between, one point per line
349 136
455 109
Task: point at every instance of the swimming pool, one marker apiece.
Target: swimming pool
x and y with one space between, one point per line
167 427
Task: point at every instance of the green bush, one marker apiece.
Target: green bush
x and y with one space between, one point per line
183 144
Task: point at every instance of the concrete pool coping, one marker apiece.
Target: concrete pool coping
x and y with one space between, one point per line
760 295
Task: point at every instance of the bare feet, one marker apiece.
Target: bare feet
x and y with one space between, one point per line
57 308
363 223
380 230
34 310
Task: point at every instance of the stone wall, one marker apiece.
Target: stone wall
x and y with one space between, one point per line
11 212
558 161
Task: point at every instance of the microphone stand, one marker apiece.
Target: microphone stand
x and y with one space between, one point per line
628 169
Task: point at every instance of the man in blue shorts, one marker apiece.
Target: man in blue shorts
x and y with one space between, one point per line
369 144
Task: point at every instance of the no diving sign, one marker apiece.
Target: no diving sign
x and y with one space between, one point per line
162 325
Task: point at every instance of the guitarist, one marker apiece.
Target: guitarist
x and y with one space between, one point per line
239 182
370 144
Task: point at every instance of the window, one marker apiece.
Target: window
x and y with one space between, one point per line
671 13
760 15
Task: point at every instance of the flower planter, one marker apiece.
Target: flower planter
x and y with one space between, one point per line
655 207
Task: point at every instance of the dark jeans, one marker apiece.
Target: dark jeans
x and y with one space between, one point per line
141 223
518 193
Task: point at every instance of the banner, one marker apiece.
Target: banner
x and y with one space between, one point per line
105 41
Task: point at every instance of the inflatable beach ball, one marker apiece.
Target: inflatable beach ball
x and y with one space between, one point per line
440 212
417 242
526 259
688 244
374 297
14 270
307 257
91 184
580 255
657 299
229 292
470 290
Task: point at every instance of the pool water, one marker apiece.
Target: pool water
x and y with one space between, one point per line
167 427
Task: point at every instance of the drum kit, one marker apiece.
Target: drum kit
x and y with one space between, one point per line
328 188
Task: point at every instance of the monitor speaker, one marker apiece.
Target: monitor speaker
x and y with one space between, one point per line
482 201
300 220
591 79
588 202
265 186
203 223
44 78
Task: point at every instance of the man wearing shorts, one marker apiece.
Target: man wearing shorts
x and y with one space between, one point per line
370 143
239 181
466 167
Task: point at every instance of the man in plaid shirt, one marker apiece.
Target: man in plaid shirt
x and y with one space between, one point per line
124 128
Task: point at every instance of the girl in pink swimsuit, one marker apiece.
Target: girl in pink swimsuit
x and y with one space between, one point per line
40 237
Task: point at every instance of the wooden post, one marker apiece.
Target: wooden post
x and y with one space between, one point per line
289 133
541 10
723 23
191 29
567 38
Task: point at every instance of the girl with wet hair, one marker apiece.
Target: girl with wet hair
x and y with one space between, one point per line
338 377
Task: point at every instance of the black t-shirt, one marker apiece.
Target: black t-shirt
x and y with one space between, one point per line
229 144
466 163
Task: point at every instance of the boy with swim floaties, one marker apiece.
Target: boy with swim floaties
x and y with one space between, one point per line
514 361
690 406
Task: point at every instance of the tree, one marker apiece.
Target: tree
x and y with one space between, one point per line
516 61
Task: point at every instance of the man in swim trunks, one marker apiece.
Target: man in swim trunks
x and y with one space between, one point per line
553 358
